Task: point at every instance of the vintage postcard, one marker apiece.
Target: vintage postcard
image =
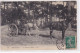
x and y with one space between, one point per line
38 25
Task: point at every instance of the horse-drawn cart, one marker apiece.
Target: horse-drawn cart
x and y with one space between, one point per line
20 28
16 28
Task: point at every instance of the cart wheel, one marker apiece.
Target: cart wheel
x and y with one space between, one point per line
13 30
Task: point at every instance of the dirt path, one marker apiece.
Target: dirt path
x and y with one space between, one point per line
41 39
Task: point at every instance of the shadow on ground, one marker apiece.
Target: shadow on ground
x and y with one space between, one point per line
46 36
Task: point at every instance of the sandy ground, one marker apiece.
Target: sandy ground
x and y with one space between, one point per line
40 37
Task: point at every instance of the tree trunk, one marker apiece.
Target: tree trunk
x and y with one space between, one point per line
46 19
51 13
4 5
7 5
28 11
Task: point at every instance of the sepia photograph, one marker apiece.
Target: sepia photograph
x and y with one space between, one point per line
46 25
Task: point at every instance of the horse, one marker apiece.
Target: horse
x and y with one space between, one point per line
30 26
58 25
61 26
